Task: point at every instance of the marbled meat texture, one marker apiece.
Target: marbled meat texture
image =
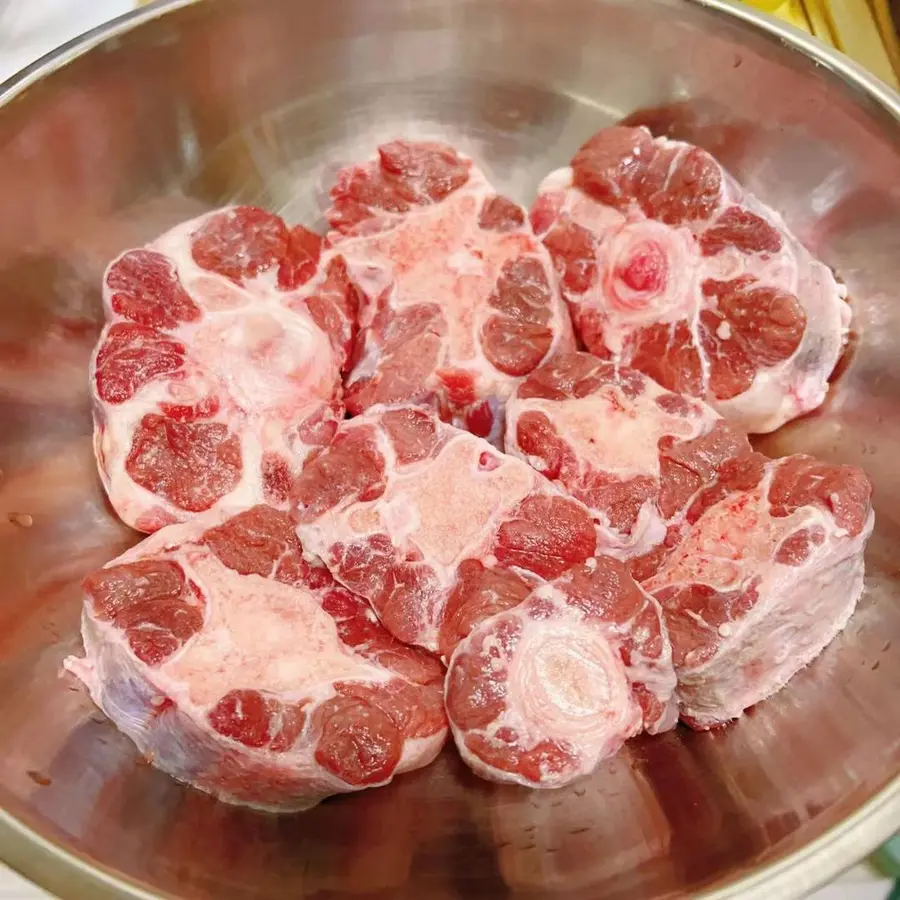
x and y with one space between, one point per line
768 574
670 267
540 694
459 298
634 453
432 525
219 367
236 664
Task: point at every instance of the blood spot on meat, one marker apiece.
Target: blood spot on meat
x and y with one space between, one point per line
412 433
240 243
131 356
192 465
350 468
459 385
498 213
645 271
205 408
479 419
359 743
150 600
546 535
745 231
844 491
144 287
515 348
742 473
487 462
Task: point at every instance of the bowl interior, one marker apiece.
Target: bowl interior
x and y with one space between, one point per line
260 101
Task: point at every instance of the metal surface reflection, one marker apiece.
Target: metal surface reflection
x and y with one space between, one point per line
203 103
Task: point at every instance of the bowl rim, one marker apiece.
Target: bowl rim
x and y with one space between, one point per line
49 864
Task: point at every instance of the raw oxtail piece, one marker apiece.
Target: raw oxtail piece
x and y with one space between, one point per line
432 525
458 296
540 694
670 267
634 453
768 574
236 664
219 368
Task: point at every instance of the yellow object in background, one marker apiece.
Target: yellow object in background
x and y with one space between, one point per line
862 29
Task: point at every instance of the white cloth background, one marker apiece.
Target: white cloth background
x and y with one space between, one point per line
28 30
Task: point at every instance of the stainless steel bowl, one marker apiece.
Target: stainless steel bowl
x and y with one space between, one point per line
187 105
